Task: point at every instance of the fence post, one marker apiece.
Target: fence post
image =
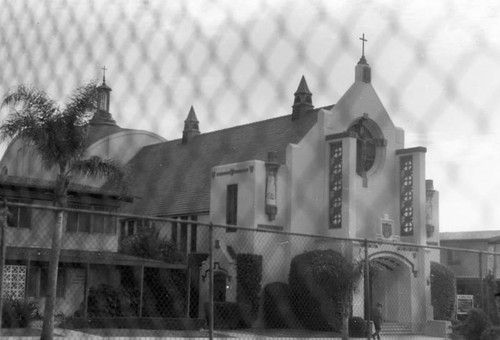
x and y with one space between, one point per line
4 214
481 287
211 283
367 292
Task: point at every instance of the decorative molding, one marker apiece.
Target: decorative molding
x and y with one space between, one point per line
411 150
270 227
340 135
232 172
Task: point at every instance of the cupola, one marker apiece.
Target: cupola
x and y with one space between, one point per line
303 100
102 116
191 126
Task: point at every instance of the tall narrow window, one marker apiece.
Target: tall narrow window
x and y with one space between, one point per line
194 234
232 205
335 177
406 195
184 235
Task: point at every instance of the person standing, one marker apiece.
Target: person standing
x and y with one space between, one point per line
377 320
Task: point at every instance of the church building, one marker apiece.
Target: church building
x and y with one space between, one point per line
338 171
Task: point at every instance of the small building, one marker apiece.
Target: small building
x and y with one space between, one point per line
477 274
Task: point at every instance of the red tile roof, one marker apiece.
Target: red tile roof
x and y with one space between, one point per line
172 178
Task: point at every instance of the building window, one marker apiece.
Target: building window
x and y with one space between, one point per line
406 195
335 181
86 222
20 217
232 206
127 228
185 234
452 257
194 234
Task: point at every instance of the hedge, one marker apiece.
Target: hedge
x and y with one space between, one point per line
443 291
249 278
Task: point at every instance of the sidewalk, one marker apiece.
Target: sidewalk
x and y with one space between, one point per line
218 335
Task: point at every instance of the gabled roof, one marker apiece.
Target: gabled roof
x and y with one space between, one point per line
172 178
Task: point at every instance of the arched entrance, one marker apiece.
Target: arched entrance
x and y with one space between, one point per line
391 277
220 286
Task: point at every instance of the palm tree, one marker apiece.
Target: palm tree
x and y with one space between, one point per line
59 136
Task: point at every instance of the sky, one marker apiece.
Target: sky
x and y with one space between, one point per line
435 66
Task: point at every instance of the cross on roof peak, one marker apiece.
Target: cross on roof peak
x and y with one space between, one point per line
104 74
363 40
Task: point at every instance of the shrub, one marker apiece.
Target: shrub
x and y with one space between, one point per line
18 313
492 333
443 291
276 305
230 315
320 285
474 325
357 327
249 274
148 244
107 301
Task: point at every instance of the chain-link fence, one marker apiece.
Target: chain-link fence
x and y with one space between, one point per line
127 275
169 72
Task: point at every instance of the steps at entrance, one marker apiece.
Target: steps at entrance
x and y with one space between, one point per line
394 328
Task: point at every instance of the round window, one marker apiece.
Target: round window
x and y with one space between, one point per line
368 137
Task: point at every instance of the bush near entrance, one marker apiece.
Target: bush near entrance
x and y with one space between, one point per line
249 274
443 291
320 281
277 307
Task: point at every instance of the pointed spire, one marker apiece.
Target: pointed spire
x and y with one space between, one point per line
191 126
303 100
363 71
102 115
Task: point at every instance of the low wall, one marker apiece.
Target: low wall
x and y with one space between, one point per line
137 323
437 328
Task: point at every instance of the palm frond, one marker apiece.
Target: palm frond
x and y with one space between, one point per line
33 100
29 109
82 102
59 136
95 167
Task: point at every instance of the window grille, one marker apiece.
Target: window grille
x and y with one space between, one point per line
406 171
336 185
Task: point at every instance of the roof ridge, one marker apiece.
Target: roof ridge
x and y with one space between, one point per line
315 110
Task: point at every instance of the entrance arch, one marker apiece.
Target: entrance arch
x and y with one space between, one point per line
391 276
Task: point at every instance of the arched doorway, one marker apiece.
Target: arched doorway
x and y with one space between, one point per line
220 286
391 285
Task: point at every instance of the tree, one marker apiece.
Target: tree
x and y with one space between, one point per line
59 136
